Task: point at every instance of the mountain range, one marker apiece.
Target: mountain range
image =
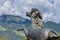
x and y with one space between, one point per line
9 24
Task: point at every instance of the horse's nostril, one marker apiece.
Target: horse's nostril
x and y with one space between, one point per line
26 13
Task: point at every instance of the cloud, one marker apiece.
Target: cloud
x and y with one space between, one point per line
47 16
6 9
51 17
53 13
49 8
20 7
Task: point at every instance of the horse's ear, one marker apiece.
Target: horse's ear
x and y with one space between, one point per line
39 15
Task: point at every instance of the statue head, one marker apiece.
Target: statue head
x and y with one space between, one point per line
34 13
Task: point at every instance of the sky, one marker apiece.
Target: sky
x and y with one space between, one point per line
50 9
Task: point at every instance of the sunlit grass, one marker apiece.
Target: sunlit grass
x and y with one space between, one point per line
2 28
59 34
19 33
3 38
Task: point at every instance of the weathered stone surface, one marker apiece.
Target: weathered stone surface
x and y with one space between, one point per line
54 38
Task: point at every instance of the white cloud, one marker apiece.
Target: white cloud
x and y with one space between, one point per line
47 16
51 17
6 9
20 7
29 1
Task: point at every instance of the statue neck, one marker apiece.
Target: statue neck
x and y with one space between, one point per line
36 22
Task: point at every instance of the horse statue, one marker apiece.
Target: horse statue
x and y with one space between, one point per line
36 30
